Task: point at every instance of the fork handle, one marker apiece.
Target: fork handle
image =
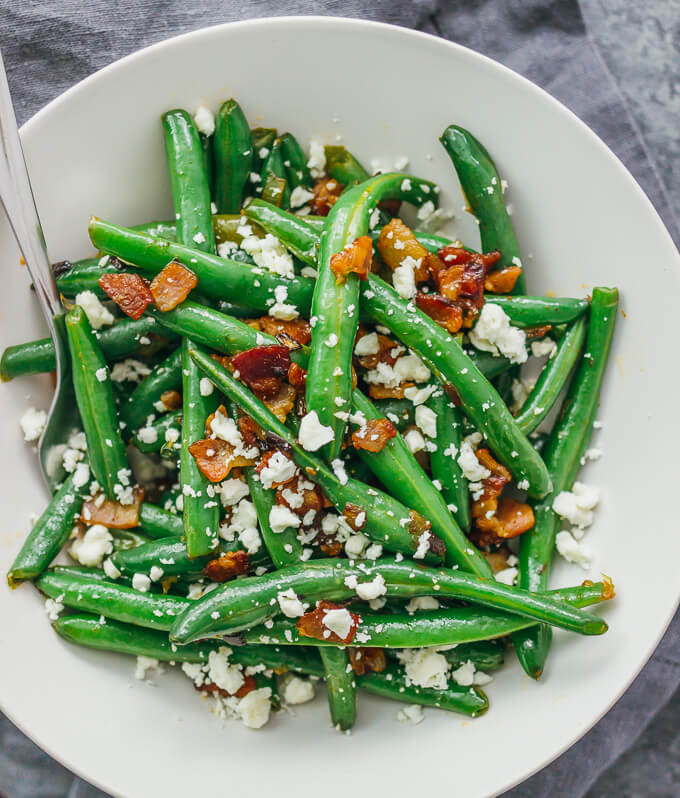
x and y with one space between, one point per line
17 198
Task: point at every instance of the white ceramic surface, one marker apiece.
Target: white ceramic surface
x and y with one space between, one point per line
581 221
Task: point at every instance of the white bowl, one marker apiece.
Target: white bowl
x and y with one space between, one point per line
582 221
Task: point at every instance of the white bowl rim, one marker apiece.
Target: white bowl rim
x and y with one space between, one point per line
510 74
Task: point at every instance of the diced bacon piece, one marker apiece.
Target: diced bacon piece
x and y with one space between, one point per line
388 352
447 314
129 291
503 280
297 329
397 241
378 391
297 376
299 497
251 431
355 258
450 281
367 660
354 515
329 544
326 192
418 524
113 514
283 402
248 686
172 400
533 333
172 285
263 368
228 565
215 458
374 434
311 624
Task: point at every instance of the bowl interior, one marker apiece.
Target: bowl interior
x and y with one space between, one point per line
581 221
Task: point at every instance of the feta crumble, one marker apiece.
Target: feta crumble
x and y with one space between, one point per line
313 434
290 604
494 333
577 505
573 551
298 691
204 119
91 549
32 423
96 313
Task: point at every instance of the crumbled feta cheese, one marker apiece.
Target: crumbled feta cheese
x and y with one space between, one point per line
96 313
426 419
198 238
424 668
281 309
172 435
423 545
232 491
299 196
268 253
338 467
338 621
254 708
367 345
290 604
227 248
317 158
577 505
422 603
205 386
145 664
367 591
404 279
472 469
494 333
542 348
95 544
225 675
147 434
298 691
282 518
110 569
33 423
465 674
411 368
279 468
226 429
419 395
400 163
432 219
101 374
572 550
141 582
156 573
411 713
204 119
507 576
414 440
53 607
313 434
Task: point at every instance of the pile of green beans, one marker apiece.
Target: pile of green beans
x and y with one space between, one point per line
234 184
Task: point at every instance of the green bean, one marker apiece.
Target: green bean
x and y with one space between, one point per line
262 140
335 304
94 397
83 275
232 156
443 463
552 378
443 627
342 166
159 523
392 683
295 162
218 278
565 448
125 539
535 311
388 522
401 412
152 610
315 223
162 229
274 174
119 341
200 513
49 533
483 190
395 465
153 439
485 655
301 244
479 400
341 686
188 180
166 376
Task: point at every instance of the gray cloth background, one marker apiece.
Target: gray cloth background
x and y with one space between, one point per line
613 62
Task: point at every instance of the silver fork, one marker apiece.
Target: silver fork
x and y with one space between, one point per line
16 196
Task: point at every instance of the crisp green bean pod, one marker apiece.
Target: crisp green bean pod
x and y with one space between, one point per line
162 229
225 227
119 341
108 635
335 304
483 190
232 156
159 523
262 139
218 278
83 275
443 463
316 223
94 397
401 412
341 686
479 399
388 521
443 627
188 180
49 533
200 513
112 600
275 186
535 311
253 600
153 438
297 238
342 166
392 683
125 539
566 445
396 467
295 162
485 655
552 378
166 376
